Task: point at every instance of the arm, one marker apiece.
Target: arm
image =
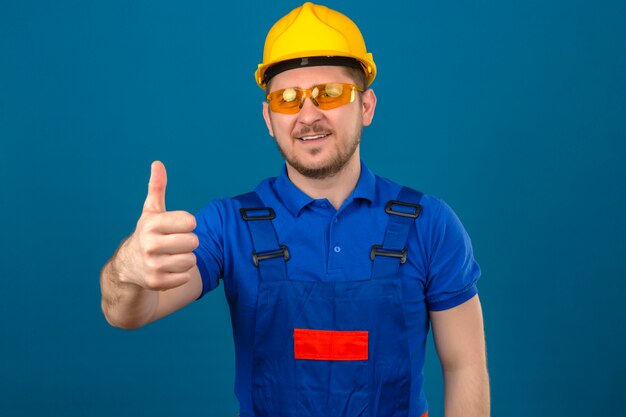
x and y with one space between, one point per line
153 273
460 343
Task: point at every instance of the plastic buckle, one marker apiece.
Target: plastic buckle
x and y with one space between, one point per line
283 251
389 209
247 213
378 250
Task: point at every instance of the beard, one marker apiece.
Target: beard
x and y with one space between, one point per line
329 168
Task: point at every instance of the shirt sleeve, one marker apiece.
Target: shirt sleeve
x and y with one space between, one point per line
210 251
452 269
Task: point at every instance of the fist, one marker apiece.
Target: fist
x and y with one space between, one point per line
160 251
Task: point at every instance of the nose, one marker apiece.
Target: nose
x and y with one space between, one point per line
309 112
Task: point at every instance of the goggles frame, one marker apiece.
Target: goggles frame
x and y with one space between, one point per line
325 96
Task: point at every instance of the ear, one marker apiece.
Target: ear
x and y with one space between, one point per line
368 106
267 117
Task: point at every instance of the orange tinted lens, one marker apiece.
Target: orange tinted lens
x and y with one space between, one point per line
334 95
286 100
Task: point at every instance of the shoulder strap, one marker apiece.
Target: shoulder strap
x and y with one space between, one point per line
403 211
268 255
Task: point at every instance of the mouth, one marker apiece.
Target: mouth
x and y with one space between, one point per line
312 138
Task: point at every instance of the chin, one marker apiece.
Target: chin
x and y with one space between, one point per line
318 171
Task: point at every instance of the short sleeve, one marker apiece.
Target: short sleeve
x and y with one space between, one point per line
210 251
452 269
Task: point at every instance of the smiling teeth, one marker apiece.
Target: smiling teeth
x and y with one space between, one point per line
313 137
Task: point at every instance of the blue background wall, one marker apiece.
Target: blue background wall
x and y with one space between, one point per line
512 111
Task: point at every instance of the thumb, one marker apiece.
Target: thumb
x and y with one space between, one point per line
155 201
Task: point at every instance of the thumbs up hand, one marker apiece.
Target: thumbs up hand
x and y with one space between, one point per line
159 253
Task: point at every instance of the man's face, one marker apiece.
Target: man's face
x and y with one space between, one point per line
319 143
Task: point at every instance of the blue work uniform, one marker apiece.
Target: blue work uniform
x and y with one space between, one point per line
329 307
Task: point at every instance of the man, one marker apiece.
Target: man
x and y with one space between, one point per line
331 272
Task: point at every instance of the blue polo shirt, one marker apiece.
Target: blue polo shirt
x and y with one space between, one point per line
334 245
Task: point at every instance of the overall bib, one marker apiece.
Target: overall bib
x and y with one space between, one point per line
331 349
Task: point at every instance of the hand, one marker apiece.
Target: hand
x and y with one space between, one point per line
159 254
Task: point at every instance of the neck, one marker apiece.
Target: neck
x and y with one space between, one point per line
335 189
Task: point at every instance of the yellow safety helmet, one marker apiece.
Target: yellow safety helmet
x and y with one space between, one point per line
313 35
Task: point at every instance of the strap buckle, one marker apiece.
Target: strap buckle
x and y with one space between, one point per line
282 251
379 250
257 213
389 209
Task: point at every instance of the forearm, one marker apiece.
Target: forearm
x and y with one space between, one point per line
124 304
467 392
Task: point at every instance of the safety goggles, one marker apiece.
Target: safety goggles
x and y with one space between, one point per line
325 96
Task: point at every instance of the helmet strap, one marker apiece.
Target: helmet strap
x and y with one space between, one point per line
314 61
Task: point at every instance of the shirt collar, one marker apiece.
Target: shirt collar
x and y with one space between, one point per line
295 199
